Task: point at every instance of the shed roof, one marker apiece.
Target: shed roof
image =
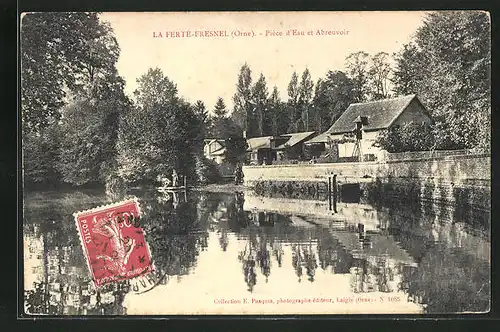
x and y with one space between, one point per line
381 114
294 139
321 138
256 143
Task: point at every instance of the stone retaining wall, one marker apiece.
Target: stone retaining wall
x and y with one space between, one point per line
460 179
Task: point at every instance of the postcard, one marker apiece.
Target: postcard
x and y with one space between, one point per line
256 163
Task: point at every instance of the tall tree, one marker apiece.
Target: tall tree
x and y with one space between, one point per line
332 97
293 89
278 117
448 65
160 134
259 101
220 110
409 70
242 97
379 72
62 52
304 99
218 120
87 152
154 90
201 113
292 103
69 58
357 70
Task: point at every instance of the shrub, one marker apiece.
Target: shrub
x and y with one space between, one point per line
408 137
206 170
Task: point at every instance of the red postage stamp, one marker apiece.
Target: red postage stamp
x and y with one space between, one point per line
113 241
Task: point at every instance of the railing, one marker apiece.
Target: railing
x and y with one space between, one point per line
413 155
431 154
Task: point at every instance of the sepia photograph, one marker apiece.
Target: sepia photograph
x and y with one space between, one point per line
255 163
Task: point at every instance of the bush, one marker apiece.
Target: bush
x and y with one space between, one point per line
408 137
206 171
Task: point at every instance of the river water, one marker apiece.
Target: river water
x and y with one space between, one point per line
238 253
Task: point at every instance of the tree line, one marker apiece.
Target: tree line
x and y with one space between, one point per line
447 64
310 106
79 127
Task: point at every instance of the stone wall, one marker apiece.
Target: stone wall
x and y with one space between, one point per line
462 179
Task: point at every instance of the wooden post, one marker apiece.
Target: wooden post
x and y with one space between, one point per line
185 188
329 192
335 193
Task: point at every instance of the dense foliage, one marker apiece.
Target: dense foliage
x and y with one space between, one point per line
448 65
80 128
69 79
408 137
160 134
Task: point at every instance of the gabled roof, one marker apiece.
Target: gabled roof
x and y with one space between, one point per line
295 139
256 143
381 114
209 141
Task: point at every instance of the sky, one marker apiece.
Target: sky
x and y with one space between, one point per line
205 67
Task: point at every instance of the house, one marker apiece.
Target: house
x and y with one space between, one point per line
293 145
214 149
260 150
370 119
266 149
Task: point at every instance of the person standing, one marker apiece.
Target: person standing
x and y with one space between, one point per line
175 179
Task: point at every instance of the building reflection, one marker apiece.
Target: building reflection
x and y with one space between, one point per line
441 262
341 250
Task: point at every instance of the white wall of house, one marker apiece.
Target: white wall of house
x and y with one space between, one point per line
212 147
368 138
413 113
367 147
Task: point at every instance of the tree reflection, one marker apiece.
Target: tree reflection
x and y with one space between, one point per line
63 286
310 262
248 260
175 235
263 256
374 274
238 218
332 254
449 281
297 260
278 252
451 249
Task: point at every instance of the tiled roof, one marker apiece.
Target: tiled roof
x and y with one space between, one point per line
380 113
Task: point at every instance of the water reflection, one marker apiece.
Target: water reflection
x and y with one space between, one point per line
438 258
